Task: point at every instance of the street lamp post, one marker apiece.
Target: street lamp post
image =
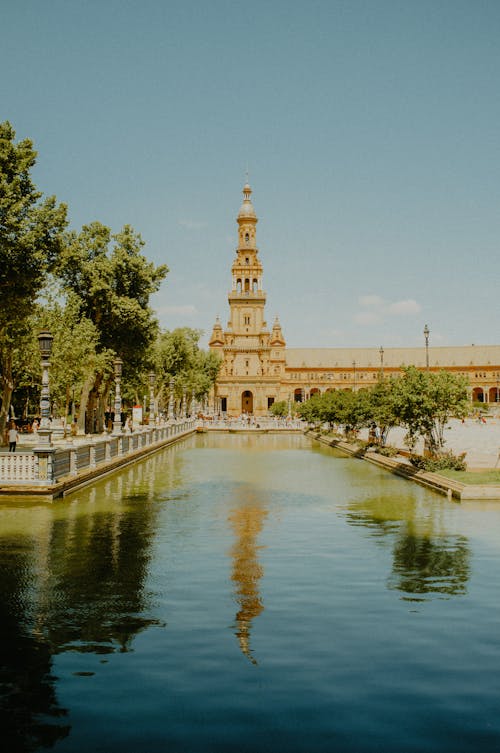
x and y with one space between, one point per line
194 405
171 399
426 335
117 421
381 351
45 345
152 379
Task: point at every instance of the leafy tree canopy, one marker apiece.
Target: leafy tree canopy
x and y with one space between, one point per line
422 402
30 243
177 354
30 229
113 282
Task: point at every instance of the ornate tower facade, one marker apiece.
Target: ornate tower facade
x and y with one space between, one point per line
253 359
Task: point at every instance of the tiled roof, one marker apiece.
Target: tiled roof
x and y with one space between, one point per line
330 358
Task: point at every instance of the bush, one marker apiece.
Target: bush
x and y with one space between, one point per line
388 452
443 461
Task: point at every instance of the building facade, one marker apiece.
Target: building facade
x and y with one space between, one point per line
257 369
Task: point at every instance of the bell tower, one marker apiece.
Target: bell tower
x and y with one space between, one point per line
249 372
247 299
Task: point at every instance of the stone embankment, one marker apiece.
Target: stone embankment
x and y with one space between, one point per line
56 470
400 466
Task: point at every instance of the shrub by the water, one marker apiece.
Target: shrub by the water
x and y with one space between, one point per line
388 452
444 461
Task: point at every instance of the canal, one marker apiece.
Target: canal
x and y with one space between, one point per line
245 594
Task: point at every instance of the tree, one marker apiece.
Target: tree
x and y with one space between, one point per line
424 402
30 243
354 409
327 408
382 407
280 408
113 282
75 357
177 354
311 410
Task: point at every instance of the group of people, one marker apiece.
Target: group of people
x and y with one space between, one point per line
12 432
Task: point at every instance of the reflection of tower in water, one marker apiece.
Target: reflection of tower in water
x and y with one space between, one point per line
247 522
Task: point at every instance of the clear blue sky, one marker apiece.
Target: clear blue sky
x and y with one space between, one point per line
371 131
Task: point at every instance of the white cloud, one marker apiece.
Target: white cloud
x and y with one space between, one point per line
367 317
404 308
374 309
370 300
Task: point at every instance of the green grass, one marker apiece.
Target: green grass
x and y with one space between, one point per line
472 477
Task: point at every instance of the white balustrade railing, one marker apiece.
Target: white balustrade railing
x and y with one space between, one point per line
17 467
48 465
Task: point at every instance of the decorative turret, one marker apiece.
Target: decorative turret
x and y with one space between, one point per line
217 339
247 212
247 220
246 270
277 335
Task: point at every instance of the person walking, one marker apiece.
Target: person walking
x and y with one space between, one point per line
13 437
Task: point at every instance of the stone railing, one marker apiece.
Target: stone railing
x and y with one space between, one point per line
268 424
45 466
17 465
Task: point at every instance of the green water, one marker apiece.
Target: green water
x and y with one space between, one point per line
250 593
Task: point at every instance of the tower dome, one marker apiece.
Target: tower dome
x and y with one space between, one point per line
247 212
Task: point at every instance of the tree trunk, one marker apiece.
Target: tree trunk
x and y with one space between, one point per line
108 402
84 399
66 407
94 422
7 389
102 404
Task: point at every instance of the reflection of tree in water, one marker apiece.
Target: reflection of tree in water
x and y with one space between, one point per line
425 565
426 559
247 522
30 716
98 597
79 587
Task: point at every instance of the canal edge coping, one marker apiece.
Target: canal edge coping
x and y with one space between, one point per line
442 484
69 484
